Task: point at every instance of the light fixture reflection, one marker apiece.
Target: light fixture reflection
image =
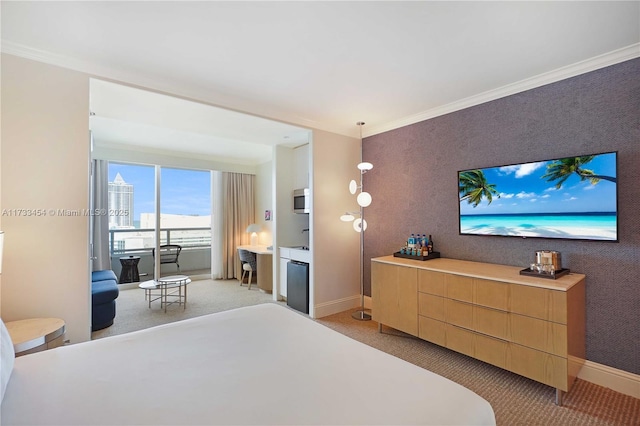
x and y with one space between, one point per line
353 186
364 166
347 217
360 225
364 199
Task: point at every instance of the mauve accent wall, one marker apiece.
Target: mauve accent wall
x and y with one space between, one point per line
414 188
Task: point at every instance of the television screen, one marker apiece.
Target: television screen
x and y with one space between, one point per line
568 198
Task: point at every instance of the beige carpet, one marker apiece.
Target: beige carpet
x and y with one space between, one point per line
515 399
203 297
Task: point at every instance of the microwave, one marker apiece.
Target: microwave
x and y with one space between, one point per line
301 200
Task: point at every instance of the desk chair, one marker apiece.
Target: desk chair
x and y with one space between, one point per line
249 264
169 253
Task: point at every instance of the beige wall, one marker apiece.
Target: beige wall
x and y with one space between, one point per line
264 201
44 165
336 246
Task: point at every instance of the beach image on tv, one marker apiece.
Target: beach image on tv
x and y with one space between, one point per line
571 198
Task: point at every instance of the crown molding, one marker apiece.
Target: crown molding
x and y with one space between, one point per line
62 61
592 64
227 102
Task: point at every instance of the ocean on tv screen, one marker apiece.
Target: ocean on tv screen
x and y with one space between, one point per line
572 197
595 226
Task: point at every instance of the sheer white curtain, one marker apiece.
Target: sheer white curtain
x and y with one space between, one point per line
216 225
100 193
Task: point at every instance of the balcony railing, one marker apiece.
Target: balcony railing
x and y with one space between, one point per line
128 241
194 258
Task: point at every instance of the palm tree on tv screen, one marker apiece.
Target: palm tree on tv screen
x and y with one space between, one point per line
473 187
562 169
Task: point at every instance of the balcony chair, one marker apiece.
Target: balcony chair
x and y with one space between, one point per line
169 253
249 264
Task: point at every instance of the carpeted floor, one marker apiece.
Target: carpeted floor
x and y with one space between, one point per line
515 399
203 297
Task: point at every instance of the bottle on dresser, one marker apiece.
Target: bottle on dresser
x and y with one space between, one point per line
430 244
411 244
423 245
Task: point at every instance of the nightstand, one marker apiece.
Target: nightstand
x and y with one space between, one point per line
36 334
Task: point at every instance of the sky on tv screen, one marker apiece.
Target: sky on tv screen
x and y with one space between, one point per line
522 189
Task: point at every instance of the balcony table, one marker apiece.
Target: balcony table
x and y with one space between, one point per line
129 273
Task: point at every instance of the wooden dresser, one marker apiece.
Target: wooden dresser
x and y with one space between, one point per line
531 326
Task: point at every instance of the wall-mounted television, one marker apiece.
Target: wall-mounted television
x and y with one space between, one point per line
568 198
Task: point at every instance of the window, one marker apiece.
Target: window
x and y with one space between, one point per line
185 207
131 198
185 214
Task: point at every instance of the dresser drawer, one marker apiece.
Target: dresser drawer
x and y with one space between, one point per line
458 313
491 322
459 339
431 282
431 306
459 287
432 330
538 334
493 294
550 305
539 366
491 350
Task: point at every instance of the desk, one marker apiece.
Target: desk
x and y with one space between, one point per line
129 273
264 259
36 334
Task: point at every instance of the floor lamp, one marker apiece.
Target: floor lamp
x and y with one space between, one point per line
360 225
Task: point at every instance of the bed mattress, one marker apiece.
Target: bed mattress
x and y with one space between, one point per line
262 364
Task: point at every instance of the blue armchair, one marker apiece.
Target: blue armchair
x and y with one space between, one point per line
104 292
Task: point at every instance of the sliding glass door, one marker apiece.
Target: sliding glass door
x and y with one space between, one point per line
185 219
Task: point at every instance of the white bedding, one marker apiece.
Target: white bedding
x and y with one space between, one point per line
257 365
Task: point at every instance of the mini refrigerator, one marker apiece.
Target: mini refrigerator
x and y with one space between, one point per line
298 286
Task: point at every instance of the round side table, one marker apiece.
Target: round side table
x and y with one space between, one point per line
129 273
36 334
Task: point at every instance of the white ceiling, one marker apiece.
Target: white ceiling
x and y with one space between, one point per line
150 121
323 65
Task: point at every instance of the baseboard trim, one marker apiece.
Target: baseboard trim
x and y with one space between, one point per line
612 378
336 306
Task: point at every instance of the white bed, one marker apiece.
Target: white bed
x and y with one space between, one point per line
261 365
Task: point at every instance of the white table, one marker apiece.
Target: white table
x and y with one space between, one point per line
174 287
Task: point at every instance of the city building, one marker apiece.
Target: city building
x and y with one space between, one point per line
120 199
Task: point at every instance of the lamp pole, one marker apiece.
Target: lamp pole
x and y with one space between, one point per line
361 315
